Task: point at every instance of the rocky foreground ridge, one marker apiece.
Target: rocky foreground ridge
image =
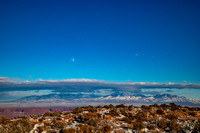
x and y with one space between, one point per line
109 119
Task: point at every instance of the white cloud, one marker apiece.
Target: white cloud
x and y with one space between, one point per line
93 83
99 91
4 79
145 100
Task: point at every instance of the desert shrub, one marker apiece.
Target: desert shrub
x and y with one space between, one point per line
88 116
184 109
164 106
128 119
193 109
55 124
196 128
120 106
151 127
98 107
92 122
160 111
85 129
161 124
141 116
40 129
111 106
123 112
106 129
4 121
174 106
144 107
174 126
70 130
137 125
58 118
56 113
51 131
99 115
32 116
106 106
47 114
90 108
41 119
21 126
67 113
154 105
172 116
130 107
77 110
192 113
113 113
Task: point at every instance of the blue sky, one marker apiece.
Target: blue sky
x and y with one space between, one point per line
140 40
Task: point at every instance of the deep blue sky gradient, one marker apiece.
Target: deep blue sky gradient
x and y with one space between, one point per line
137 40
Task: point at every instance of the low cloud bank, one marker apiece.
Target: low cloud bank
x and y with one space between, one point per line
17 84
88 91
